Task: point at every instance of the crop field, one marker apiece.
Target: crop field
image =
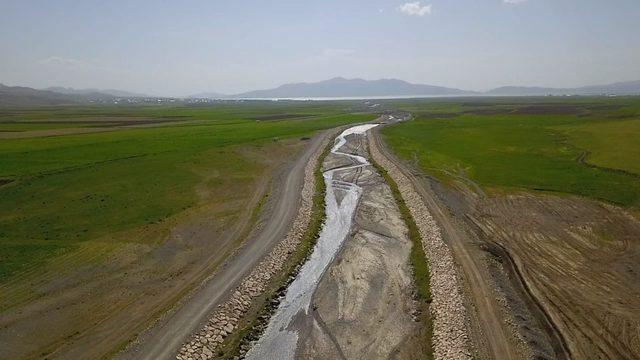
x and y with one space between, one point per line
587 147
61 191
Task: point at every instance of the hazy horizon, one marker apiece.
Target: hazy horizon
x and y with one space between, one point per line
235 46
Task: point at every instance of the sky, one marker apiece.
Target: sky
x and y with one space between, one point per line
177 48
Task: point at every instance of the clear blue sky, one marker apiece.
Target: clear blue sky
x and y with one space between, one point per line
183 47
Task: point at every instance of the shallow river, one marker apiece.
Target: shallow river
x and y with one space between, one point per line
280 338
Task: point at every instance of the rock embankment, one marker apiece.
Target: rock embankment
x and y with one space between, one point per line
224 320
450 337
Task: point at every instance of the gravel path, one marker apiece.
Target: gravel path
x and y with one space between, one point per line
225 319
450 337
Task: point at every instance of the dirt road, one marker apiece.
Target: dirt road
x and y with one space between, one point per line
549 277
490 333
164 339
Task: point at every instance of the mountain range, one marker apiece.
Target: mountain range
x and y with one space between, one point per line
25 96
336 87
620 88
341 87
95 92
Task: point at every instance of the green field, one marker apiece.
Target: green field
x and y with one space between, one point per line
61 191
583 146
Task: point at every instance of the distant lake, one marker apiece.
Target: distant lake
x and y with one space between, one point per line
333 98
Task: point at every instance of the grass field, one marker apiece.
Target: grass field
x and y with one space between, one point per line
583 146
61 191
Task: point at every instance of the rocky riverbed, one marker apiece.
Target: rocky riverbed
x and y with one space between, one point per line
363 307
286 328
359 305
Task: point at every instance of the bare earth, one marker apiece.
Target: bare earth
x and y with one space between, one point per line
579 259
492 338
363 304
546 276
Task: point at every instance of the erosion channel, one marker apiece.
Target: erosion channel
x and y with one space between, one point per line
353 296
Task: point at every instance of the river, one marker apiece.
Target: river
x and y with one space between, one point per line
280 338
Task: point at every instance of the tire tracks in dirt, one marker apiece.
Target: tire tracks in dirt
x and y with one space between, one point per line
556 337
491 335
164 339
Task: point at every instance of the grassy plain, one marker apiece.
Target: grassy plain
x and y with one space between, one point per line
61 191
582 146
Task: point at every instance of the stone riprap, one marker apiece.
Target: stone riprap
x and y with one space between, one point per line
450 337
224 321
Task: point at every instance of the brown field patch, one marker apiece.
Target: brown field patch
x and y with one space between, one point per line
93 127
490 111
49 132
550 109
280 117
432 115
577 259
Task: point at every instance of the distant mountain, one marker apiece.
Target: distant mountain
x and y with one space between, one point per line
23 96
524 91
206 95
621 88
341 87
95 92
337 87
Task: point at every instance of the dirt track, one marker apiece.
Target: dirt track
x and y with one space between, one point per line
166 337
579 260
85 308
547 276
491 337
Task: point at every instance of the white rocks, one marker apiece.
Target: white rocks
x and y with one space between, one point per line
450 338
227 315
207 352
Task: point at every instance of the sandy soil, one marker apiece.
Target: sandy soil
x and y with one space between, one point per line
547 276
363 304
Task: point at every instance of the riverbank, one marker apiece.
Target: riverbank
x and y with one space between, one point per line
450 334
242 311
365 306
281 336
